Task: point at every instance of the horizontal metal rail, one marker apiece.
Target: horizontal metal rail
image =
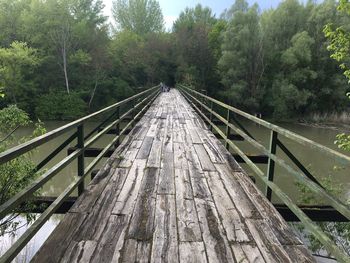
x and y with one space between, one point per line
311 226
32 144
342 158
336 203
34 186
19 198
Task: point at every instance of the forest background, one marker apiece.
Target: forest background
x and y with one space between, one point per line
60 59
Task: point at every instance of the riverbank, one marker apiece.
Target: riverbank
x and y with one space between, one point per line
341 127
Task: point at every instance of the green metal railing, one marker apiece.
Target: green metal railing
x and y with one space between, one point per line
201 103
140 103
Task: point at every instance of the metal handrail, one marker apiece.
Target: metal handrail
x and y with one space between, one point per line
32 144
20 197
342 158
312 227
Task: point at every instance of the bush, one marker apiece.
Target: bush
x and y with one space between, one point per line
19 172
60 106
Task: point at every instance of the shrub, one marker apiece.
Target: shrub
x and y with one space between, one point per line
60 106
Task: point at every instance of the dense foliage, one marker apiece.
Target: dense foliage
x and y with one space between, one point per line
19 172
275 62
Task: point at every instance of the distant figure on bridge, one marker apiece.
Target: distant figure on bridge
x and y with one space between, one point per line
164 88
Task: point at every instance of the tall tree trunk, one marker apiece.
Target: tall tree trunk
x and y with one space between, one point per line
93 93
64 57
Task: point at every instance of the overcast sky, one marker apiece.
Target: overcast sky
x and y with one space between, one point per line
172 8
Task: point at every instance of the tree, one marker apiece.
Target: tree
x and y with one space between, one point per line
139 16
340 40
195 57
190 17
340 48
289 90
17 173
15 62
242 61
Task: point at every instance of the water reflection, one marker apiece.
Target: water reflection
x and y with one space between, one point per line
27 253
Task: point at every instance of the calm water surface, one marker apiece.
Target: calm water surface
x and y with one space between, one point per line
320 165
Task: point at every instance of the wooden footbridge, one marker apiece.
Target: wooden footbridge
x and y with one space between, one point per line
171 191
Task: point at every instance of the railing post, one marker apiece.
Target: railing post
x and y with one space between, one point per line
271 163
81 164
228 130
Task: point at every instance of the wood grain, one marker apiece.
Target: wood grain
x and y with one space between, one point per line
171 192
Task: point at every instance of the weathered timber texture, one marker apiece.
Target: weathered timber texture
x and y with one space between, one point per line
171 192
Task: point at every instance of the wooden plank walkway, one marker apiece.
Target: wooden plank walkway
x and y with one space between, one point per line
172 193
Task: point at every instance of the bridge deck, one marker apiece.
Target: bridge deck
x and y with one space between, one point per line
171 192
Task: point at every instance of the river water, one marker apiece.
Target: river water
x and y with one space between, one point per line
320 165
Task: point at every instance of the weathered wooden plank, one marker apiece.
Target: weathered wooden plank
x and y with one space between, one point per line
192 131
186 135
127 158
109 196
164 113
168 143
281 229
155 154
93 191
79 252
203 157
165 243
235 227
145 148
161 130
247 253
129 251
267 242
187 220
168 140
183 184
96 221
240 198
193 252
215 241
199 184
167 174
109 248
136 251
143 252
189 229
159 112
198 122
299 253
192 159
60 239
136 144
225 154
142 221
179 132
180 160
129 192
152 132
143 132
213 153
